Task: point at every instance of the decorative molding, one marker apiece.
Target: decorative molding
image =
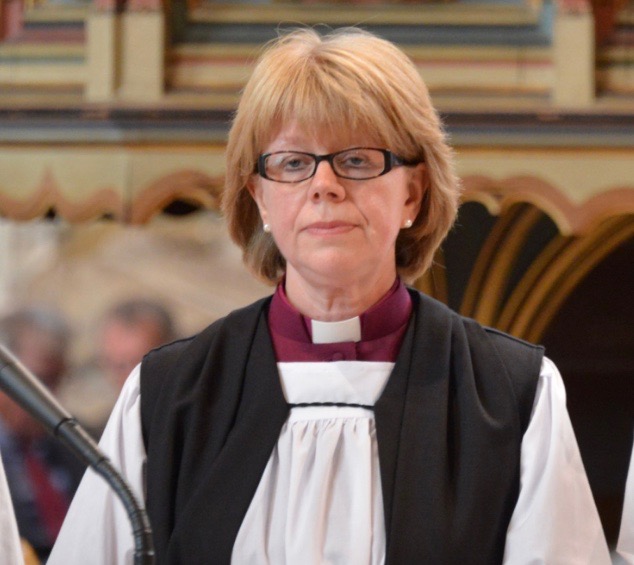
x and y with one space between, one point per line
571 219
523 273
192 186
48 195
561 272
49 12
195 187
484 295
573 7
427 13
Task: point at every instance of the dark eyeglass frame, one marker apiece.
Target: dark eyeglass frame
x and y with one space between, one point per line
391 160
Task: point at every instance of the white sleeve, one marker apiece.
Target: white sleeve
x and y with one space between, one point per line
625 546
96 530
10 548
555 520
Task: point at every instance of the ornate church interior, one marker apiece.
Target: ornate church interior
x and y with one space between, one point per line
113 121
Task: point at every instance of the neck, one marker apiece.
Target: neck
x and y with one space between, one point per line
330 302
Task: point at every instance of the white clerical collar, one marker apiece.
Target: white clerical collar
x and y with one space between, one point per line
336 332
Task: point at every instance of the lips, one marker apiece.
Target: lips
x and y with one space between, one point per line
330 228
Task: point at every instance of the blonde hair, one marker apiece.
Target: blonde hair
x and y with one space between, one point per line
348 79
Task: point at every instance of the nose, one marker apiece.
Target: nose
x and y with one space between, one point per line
325 184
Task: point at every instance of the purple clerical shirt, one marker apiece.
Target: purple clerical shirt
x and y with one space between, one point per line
382 329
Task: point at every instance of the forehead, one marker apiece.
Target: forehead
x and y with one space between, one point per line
297 135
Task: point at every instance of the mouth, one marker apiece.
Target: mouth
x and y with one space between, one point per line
329 228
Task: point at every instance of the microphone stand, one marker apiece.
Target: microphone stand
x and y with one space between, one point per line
25 389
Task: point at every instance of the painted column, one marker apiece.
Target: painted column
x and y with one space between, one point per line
142 51
126 51
102 51
574 55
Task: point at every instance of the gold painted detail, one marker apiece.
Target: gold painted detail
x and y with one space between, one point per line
525 306
425 13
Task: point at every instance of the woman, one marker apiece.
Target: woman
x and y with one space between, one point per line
346 419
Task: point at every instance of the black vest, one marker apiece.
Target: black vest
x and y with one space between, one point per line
449 428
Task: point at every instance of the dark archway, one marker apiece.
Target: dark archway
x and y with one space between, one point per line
591 339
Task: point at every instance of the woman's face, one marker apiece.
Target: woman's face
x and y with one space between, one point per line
331 230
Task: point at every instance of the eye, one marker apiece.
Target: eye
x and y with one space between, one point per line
356 159
293 162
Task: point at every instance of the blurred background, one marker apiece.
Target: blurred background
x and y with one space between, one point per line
113 120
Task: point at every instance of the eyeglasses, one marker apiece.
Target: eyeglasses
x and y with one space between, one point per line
356 163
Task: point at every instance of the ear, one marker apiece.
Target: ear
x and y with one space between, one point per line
254 186
416 187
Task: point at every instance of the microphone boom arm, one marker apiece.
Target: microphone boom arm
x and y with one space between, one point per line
25 389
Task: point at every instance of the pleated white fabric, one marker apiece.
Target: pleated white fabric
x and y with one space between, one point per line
625 546
10 548
543 529
324 469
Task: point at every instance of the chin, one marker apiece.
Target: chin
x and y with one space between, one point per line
337 266
341 271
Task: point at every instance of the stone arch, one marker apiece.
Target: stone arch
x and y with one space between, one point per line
192 186
536 248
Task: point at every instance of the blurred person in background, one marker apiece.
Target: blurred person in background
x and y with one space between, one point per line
126 331
42 475
129 330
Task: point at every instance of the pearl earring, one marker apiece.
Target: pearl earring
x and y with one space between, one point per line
266 228
408 223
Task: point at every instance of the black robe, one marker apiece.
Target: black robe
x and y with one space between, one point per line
449 427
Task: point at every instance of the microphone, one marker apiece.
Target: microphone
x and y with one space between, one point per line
27 391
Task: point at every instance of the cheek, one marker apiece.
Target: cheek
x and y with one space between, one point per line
282 210
385 214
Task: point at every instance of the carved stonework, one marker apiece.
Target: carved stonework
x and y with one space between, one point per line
573 6
605 18
536 248
11 16
109 5
572 219
128 5
144 5
49 195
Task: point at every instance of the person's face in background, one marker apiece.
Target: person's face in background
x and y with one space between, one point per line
42 354
123 345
